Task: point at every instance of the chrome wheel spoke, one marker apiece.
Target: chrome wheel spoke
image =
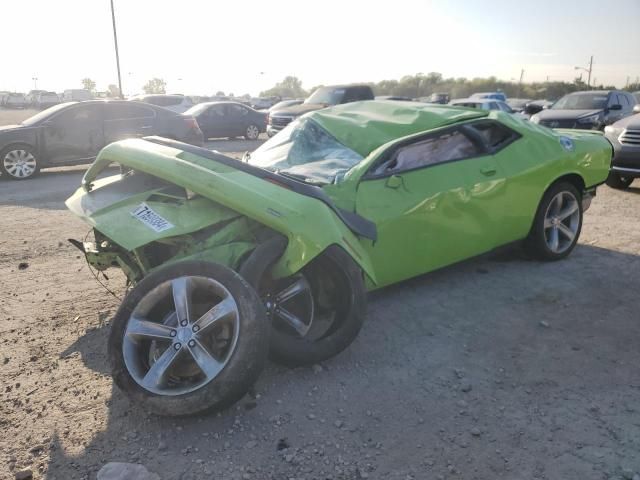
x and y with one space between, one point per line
218 312
209 365
299 286
566 231
158 371
554 239
140 327
293 321
568 211
181 290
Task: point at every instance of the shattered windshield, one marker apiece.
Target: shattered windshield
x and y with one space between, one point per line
306 151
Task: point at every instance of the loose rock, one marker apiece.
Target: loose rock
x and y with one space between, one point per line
25 474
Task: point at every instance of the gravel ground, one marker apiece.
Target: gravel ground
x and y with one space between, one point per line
495 368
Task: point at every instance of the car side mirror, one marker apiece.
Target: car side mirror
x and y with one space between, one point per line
394 181
636 108
617 106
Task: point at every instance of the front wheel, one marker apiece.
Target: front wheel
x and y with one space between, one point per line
619 182
557 224
252 132
190 337
19 162
316 313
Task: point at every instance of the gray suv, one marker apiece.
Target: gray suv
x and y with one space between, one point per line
321 98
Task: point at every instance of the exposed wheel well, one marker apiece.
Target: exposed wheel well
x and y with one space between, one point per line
574 179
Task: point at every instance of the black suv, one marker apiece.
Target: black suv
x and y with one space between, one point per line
321 98
591 110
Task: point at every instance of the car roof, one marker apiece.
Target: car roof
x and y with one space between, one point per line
592 92
474 100
367 125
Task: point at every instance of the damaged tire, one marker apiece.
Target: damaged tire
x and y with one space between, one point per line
314 314
190 337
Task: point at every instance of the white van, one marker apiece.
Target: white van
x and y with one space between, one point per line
76 95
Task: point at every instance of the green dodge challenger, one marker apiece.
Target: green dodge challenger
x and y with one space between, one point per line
231 260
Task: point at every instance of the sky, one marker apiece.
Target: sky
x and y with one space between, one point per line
202 46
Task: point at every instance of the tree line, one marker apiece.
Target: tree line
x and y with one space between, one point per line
421 85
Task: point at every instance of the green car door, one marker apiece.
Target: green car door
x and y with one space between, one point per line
436 199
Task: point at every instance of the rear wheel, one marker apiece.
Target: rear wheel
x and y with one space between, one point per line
188 338
316 313
619 182
19 162
557 224
252 132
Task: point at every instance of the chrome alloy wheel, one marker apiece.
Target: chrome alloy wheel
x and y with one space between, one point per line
181 335
19 163
292 307
561 222
253 132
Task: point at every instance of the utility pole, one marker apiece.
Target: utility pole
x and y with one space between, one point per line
35 82
115 41
520 82
590 68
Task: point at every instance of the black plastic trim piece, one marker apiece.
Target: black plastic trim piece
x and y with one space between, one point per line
357 224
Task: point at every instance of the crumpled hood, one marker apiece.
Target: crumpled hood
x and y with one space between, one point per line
566 114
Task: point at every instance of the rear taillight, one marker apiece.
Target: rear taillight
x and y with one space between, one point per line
267 119
192 124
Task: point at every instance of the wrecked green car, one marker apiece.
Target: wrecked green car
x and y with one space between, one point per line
231 260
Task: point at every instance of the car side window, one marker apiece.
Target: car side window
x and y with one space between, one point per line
613 100
127 111
76 115
216 111
236 110
493 106
445 147
494 134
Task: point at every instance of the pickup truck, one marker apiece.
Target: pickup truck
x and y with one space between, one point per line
321 98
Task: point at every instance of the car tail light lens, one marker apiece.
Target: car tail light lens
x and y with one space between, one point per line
268 119
191 122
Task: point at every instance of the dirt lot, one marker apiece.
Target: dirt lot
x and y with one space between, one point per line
496 368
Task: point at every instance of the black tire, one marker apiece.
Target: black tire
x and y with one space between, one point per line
619 182
346 296
252 132
536 244
245 361
13 172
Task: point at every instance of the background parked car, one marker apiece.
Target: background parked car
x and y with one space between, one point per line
494 95
486 104
73 133
228 119
286 103
15 100
46 100
175 103
535 106
263 103
321 98
518 104
76 95
32 97
440 98
587 110
637 95
624 135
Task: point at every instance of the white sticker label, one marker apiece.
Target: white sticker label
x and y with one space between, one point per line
151 219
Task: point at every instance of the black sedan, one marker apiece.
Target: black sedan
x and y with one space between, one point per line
228 119
587 110
73 133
